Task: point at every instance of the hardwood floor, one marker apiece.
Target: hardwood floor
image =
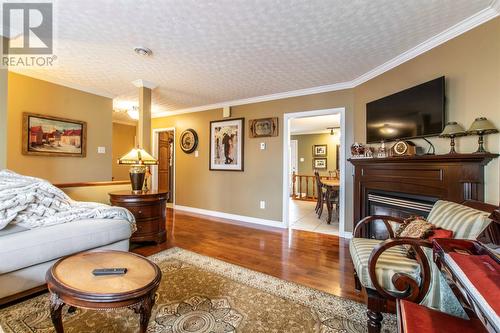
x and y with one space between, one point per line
316 260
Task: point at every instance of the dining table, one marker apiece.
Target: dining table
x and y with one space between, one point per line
332 188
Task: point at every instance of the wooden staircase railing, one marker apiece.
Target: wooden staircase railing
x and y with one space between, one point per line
304 187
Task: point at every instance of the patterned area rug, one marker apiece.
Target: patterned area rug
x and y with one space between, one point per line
202 294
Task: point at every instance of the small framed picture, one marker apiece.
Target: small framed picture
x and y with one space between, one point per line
320 150
264 127
319 163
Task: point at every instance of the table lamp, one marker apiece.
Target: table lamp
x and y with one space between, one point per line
138 159
452 130
482 126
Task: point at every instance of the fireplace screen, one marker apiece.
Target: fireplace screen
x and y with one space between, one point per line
395 204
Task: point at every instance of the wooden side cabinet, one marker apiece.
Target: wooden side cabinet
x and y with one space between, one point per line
150 211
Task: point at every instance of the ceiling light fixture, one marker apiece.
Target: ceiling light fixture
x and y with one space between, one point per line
133 113
332 130
143 51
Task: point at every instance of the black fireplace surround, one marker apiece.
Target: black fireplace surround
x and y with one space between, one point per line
396 204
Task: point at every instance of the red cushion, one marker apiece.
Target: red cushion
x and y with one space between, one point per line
416 318
440 233
484 273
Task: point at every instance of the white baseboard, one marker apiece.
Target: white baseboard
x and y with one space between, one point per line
242 218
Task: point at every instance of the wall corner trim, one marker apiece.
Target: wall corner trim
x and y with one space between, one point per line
241 218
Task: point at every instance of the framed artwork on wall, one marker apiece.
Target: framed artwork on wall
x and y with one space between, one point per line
320 150
226 145
53 136
319 163
189 141
264 127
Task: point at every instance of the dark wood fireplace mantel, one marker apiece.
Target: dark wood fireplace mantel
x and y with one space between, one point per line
457 178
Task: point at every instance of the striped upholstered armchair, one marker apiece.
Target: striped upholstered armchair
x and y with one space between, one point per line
383 269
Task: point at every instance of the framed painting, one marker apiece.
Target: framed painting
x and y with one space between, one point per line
226 144
264 127
319 163
53 136
320 150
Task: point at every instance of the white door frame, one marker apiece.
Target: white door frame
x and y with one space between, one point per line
296 153
342 164
154 169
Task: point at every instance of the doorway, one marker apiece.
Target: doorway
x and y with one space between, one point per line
164 151
314 142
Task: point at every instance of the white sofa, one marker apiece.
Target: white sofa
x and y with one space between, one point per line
26 255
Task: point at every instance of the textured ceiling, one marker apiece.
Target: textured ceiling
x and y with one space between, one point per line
208 52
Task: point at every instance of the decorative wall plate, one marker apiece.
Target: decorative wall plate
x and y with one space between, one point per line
189 141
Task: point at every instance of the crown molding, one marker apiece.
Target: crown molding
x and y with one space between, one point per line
60 82
492 11
258 99
139 83
123 122
458 29
483 16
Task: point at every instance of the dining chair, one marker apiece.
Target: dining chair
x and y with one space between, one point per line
321 194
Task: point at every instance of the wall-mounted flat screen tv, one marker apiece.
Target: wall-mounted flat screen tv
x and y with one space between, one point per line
411 113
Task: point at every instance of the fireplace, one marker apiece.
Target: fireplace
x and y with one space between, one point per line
395 204
404 186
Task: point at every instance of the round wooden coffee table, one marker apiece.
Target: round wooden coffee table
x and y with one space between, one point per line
71 282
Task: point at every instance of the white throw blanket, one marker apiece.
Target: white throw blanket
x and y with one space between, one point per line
32 203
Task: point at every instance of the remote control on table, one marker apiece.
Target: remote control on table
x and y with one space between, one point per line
109 271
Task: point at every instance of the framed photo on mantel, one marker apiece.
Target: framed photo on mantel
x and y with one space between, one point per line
226 144
53 136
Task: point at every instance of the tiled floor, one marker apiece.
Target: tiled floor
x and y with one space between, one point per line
303 217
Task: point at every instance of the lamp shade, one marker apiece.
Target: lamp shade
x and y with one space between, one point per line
137 156
482 126
452 129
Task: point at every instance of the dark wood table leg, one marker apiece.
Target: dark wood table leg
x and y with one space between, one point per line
144 310
56 306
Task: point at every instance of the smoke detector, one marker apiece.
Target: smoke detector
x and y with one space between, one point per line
143 51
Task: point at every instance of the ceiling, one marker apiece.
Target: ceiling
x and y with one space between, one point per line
208 52
313 125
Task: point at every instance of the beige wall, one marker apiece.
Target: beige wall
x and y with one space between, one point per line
123 142
94 193
3 117
31 95
305 143
240 192
471 64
